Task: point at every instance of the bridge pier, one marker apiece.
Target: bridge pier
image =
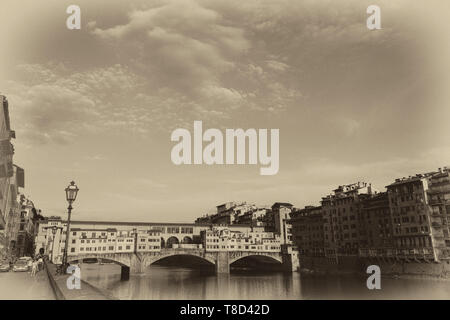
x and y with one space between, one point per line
125 273
290 261
137 266
222 263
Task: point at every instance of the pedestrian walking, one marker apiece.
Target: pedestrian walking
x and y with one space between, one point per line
34 268
40 264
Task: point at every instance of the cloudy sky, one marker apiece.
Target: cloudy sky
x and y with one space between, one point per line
98 105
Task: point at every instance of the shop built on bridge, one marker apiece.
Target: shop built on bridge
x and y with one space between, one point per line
135 246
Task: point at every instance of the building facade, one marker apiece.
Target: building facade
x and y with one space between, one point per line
124 237
254 240
307 231
414 236
232 213
11 179
409 222
419 206
377 224
6 167
28 218
439 201
281 216
342 210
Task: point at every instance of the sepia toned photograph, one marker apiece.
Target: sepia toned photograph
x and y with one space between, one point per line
216 152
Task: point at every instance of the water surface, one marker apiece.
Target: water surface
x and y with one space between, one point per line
170 282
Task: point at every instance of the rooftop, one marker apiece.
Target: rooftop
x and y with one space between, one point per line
282 204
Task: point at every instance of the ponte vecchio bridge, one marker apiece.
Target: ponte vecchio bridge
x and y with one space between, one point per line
137 263
136 246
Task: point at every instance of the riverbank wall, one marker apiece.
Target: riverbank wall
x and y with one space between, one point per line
356 265
62 292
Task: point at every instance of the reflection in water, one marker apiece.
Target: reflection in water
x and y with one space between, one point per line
161 282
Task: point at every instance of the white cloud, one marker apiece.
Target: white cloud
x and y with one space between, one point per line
179 44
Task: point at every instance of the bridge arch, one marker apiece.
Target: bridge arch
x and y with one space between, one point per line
148 261
121 260
263 257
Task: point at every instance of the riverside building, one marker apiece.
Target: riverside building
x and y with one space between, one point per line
419 206
11 179
254 240
414 236
407 223
342 210
307 231
377 224
439 200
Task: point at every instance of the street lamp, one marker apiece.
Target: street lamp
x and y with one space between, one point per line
71 195
135 239
53 243
54 231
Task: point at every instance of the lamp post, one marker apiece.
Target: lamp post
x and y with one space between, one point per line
71 195
135 239
53 244
54 231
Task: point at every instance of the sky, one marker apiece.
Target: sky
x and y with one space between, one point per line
98 105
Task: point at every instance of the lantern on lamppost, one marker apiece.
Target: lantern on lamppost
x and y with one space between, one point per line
71 192
71 195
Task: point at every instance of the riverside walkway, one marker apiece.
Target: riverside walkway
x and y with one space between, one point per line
86 292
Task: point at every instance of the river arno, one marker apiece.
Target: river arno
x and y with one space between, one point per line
160 282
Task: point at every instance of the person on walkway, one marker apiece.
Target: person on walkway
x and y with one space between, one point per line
40 264
34 268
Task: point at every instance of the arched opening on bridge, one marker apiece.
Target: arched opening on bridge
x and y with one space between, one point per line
102 265
95 261
171 241
255 262
185 261
187 240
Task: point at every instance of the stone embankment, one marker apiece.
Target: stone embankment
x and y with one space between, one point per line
62 292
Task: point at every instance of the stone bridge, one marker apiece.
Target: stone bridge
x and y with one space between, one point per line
137 262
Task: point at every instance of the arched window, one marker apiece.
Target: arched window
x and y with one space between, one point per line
171 241
187 239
